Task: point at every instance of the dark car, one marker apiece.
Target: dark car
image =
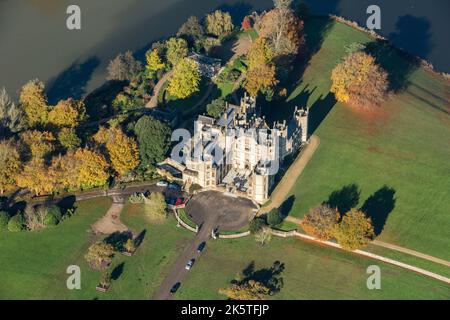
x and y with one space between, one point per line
201 247
175 287
174 186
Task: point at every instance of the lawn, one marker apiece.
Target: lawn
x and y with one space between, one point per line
311 272
39 271
404 145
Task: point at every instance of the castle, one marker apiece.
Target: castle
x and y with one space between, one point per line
238 152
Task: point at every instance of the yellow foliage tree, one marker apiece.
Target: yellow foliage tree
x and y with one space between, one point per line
40 143
9 166
354 231
251 290
34 103
359 81
36 178
185 80
154 62
91 169
67 113
259 79
260 53
219 23
122 150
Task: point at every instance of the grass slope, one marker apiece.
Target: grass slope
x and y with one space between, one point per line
311 272
404 146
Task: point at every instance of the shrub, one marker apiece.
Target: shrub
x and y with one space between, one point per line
53 216
4 219
274 218
256 225
16 223
354 231
137 198
320 222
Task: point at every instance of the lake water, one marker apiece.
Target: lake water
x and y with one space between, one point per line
35 43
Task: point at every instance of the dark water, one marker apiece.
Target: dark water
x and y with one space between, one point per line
34 41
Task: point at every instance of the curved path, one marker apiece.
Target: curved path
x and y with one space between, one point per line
153 103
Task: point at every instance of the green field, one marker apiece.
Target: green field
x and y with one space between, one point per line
34 264
405 145
311 272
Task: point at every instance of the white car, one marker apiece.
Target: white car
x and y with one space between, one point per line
190 264
162 183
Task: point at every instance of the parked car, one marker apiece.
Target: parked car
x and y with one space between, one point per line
190 264
179 201
162 183
201 247
175 287
174 186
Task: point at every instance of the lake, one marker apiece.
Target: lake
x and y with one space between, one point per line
35 43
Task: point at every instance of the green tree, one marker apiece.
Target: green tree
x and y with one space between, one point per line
256 225
4 219
34 103
216 107
274 217
68 139
354 231
185 80
191 29
320 222
16 223
153 138
177 50
219 23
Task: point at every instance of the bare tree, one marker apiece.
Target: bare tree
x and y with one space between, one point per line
123 67
282 4
11 116
263 236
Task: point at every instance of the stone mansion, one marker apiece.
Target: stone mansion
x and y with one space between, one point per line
238 152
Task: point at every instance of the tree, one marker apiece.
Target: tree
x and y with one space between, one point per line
216 107
99 255
4 219
9 166
122 150
256 225
155 206
260 79
191 29
16 223
185 80
123 67
153 138
354 231
11 116
67 113
320 222
68 138
154 62
177 50
282 4
219 23
91 169
284 32
249 290
274 217
34 103
264 235
247 23
35 177
34 219
359 81
39 143
260 53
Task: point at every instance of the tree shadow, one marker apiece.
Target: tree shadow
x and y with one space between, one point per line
345 198
67 203
117 271
72 81
140 238
118 239
286 206
269 277
378 207
319 111
99 102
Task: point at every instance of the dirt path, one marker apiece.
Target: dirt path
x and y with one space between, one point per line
110 222
153 103
281 192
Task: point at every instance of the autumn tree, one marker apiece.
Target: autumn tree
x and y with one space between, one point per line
11 116
185 80
354 231
246 23
264 235
122 150
35 177
177 50
67 113
260 79
91 169
320 222
249 290
219 23
359 81
39 144
123 67
68 139
99 255
9 166
191 29
260 53
154 62
153 138
283 31
34 103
